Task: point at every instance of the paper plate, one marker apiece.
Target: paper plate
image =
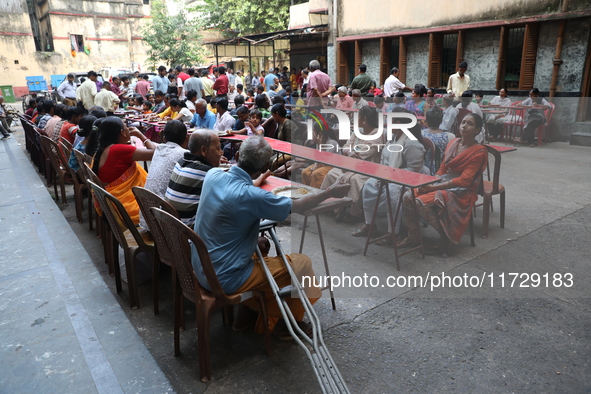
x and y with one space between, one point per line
294 192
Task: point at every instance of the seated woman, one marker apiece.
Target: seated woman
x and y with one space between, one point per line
323 138
410 158
368 150
115 162
179 108
287 129
85 131
439 137
417 104
534 117
447 205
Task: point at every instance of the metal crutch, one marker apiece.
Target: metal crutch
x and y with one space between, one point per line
324 367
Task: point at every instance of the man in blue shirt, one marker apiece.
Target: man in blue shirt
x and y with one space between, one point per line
270 79
230 209
160 82
203 118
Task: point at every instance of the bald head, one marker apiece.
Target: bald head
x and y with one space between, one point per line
200 138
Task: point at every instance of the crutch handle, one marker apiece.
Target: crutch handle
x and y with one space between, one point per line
287 291
267 224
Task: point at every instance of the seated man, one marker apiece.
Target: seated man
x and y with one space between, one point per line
186 180
230 209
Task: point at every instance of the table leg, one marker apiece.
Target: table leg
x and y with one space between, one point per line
416 211
303 233
326 269
393 218
373 219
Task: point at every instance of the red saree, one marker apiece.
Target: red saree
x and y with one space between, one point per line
452 206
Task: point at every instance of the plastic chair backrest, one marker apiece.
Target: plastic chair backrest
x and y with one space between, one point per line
147 200
54 152
497 168
66 143
429 147
116 215
179 236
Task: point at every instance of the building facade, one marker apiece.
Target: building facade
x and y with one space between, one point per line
52 37
506 43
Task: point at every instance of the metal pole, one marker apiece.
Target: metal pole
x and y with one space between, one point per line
273 43
217 61
249 66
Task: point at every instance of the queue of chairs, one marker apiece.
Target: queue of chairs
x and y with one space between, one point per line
167 240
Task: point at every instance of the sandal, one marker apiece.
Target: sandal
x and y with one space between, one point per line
406 243
364 231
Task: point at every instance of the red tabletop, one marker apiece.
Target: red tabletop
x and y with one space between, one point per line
502 149
378 171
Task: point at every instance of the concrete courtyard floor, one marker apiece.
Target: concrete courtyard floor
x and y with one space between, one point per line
63 328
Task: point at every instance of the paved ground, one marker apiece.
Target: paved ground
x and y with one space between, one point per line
62 329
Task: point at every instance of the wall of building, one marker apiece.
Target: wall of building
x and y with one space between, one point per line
358 17
370 55
111 29
481 52
417 66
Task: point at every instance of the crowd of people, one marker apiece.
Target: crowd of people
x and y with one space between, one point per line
183 169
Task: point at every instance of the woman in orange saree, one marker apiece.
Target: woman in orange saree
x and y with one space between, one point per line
115 162
447 205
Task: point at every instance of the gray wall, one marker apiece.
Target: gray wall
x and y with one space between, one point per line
370 55
574 49
417 67
481 52
331 59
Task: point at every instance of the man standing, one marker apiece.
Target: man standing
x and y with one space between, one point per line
107 99
115 87
449 113
160 82
231 207
459 82
239 79
143 85
269 79
87 91
362 81
185 183
193 83
319 85
231 77
67 91
221 83
207 85
255 81
203 118
5 119
392 84
181 77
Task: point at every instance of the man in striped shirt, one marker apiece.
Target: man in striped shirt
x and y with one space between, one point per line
184 187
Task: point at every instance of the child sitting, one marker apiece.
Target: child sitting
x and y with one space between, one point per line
253 126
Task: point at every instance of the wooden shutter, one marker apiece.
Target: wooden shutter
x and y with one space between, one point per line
435 49
502 56
342 69
385 45
528 57
402 60
460 48
358 58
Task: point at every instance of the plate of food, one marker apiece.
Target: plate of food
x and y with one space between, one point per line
225 166
294 192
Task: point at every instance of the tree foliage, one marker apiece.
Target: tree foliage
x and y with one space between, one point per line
173 39
236 18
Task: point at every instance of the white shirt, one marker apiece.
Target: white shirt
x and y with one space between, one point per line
179 84
106 99
503 102
239 81
67 89
224 122
187 115
86 93
190 105
392 85
458 85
